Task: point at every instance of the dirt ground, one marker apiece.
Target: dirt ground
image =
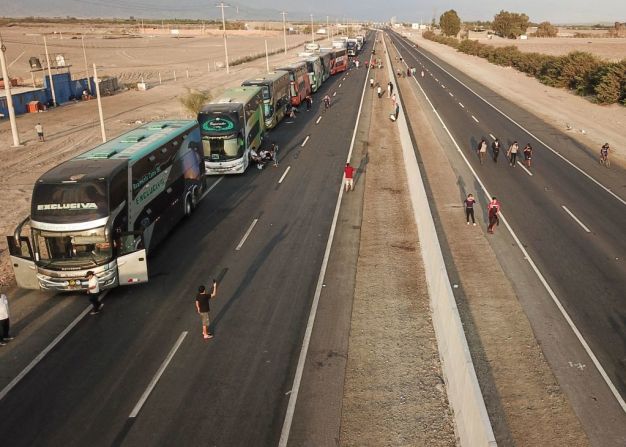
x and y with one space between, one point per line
589 123
74 128
608 48
394 394
525 403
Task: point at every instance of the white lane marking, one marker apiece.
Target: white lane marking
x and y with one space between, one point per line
318 120
608 190
343 79
521 165
492 137
335 94
339 85
284 175
305 140
211 187
450 93
544 282
576 219
474 118
157 376
295 388
245 236
443 86
462 106
47 349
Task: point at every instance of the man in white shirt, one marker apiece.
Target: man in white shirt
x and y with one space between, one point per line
93 290
4 319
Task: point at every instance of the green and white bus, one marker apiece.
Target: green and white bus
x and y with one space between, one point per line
275 88
103 210
231 126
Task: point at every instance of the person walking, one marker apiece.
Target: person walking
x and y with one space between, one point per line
469 209
394 99
397 112
372 82
512 153
204 308
493 210
528 154
348 174
422 73
39 130
379 91
5 323
326 102
482 150
93 290
495 148
309 101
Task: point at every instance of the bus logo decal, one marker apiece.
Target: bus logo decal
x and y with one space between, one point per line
67 206
218 125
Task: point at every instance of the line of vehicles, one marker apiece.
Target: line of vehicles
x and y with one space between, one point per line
105 209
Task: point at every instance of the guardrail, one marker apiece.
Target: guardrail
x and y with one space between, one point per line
470 414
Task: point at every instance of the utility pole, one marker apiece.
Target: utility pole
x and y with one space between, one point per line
284 30
267 57
327 28
7 88
222 5
82 37
312 34
95 81
54 96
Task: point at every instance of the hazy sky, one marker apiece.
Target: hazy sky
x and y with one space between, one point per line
556 11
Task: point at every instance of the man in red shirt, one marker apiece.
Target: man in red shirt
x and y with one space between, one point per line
348 172
493 209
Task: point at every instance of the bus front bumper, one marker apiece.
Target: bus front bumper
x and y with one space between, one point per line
75 281
226 167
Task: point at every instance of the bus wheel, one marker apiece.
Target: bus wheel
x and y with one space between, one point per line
188 206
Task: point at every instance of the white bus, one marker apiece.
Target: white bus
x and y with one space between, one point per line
104 209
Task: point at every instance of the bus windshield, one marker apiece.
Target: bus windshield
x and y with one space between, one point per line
72 250
266 91
222 149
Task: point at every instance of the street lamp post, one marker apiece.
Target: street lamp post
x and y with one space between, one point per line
284 30
312 34
7 88
222 5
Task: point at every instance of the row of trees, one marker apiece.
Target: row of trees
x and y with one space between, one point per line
581 72
506 24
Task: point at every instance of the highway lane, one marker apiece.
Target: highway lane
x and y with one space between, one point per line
232 390
586 270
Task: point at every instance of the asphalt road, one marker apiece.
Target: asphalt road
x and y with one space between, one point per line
582 255
231 390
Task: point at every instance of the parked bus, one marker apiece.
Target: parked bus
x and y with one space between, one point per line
325 57
105 209
339 61
275 91
300 86
351 47
314 69
231 126
360 42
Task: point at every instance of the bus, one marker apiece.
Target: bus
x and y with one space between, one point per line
314 69
231 126
275 90
339 61
351 46
325 57
299 81
104 209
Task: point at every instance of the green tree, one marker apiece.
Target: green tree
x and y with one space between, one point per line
450 23
510 24
546 29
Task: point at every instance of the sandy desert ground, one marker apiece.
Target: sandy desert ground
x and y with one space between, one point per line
612 49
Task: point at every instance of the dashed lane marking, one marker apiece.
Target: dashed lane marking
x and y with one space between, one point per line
318 120
305 140
474 118
284 175
584 227
245 236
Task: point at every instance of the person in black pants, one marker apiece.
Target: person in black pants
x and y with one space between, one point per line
495 147
469 209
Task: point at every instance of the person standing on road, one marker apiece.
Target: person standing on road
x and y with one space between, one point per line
389 89
493 209
512 153
397 112
422 73
372 82
469 209
309 101
203 307
348 174
482 150
39 130
93 290
528 154
495 147
394 99
326 102
379 91
4 320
